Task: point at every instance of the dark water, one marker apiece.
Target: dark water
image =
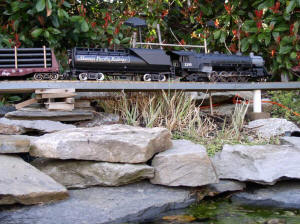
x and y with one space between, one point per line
222 211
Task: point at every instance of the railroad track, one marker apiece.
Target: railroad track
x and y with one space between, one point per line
105 86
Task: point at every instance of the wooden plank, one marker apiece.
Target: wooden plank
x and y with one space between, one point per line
26 103
57 95
59 106
70 100
41 91
82 103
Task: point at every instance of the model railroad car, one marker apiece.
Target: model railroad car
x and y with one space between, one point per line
39 63
132 63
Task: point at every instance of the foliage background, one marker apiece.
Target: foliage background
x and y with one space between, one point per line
266 27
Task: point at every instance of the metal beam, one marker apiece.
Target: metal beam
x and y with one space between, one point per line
105 86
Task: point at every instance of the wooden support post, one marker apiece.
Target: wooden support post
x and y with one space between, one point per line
211 103
257 101
16 57
45 57
134 40
205 46
159 35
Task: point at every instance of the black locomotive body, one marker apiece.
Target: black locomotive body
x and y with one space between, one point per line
159 65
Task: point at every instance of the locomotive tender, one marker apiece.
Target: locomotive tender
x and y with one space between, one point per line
134 64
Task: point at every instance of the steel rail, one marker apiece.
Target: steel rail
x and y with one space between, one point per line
106 86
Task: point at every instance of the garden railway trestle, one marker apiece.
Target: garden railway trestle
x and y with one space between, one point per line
106 86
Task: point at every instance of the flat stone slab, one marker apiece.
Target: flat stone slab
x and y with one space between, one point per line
226 186
101 119
42 114
97 205
282 195
292 141
82 174
14 143
24 184
44 126
110 143
6 129
185 164
264 164
271 127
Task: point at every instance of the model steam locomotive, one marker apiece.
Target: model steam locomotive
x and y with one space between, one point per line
132 63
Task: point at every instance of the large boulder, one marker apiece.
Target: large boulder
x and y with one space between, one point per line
6 129
292 141
185 164
263 164
130 203
283 195
14 143
44 126
109 143
271 127
82 174
24 184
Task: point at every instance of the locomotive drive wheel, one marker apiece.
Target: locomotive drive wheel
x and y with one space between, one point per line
147 77
83 76
100 77
54 76
38 76
162 78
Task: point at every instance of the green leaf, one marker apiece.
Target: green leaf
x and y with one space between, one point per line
293 55
54 20
84 26
40 5
267 39
54 31
116 41
46 34
290 7
261 37
67 4
223 37
285 49
281 27
49 4
76 18
245 45
125 40
217 34
36 32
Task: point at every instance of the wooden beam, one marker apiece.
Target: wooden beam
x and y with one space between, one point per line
57 95
59 106
41 91
26 103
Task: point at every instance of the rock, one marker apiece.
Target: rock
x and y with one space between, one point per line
292 141
43 114
271 127
14 143
6 129
109 143
6 109
101 119
43 126
283 195
24 184
225 186
82 174
220 97
186 164
135 202
263 164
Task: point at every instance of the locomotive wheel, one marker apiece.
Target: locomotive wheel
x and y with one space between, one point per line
83 76
54 76
38 76
213 77
147 78
162 78
100 77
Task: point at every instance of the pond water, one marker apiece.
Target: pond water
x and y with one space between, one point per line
220 211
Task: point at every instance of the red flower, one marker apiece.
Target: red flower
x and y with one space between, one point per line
199 18
273 53
217 23
292 29
278 39
258 13
259 25
276 7
182 42
228 8
164 13
232 48
106 19
93 24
